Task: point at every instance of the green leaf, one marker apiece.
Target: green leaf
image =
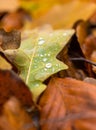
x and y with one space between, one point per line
36 57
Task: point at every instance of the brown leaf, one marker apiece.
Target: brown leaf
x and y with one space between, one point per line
81 28
9 40
14 20
12 85
68 104
78 66
89 46
14 117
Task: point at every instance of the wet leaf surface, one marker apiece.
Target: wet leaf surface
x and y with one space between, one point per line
36 57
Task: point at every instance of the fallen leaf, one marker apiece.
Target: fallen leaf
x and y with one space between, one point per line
14 20
14 117
36 57
65 15
9 40
68 104
12 85
78 58
81 28
78 66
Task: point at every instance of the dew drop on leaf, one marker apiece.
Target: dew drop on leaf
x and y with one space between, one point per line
45 54
41 55
45 69
48 65
41 41
44 59
36 85
49 54
57 65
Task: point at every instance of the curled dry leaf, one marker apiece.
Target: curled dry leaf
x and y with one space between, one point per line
14 117
68 104
12 85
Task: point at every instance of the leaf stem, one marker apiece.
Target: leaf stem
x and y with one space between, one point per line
83 59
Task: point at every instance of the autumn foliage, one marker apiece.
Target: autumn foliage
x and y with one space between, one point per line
68 103
48 65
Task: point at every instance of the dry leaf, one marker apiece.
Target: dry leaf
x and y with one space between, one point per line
14 20
78 66
68 104
9 40
65 15
14 117
12 85
81 31
89 46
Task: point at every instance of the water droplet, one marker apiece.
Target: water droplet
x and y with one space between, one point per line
37 85
41 55
49 54
45 69
41 41
57 65
48 65
45 59
45 54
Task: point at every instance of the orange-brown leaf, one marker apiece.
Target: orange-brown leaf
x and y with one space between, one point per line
68 104
12 85
14 117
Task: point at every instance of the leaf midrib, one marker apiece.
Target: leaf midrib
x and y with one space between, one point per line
30 64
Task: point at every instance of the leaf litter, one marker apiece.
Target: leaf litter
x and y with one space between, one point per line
64 103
